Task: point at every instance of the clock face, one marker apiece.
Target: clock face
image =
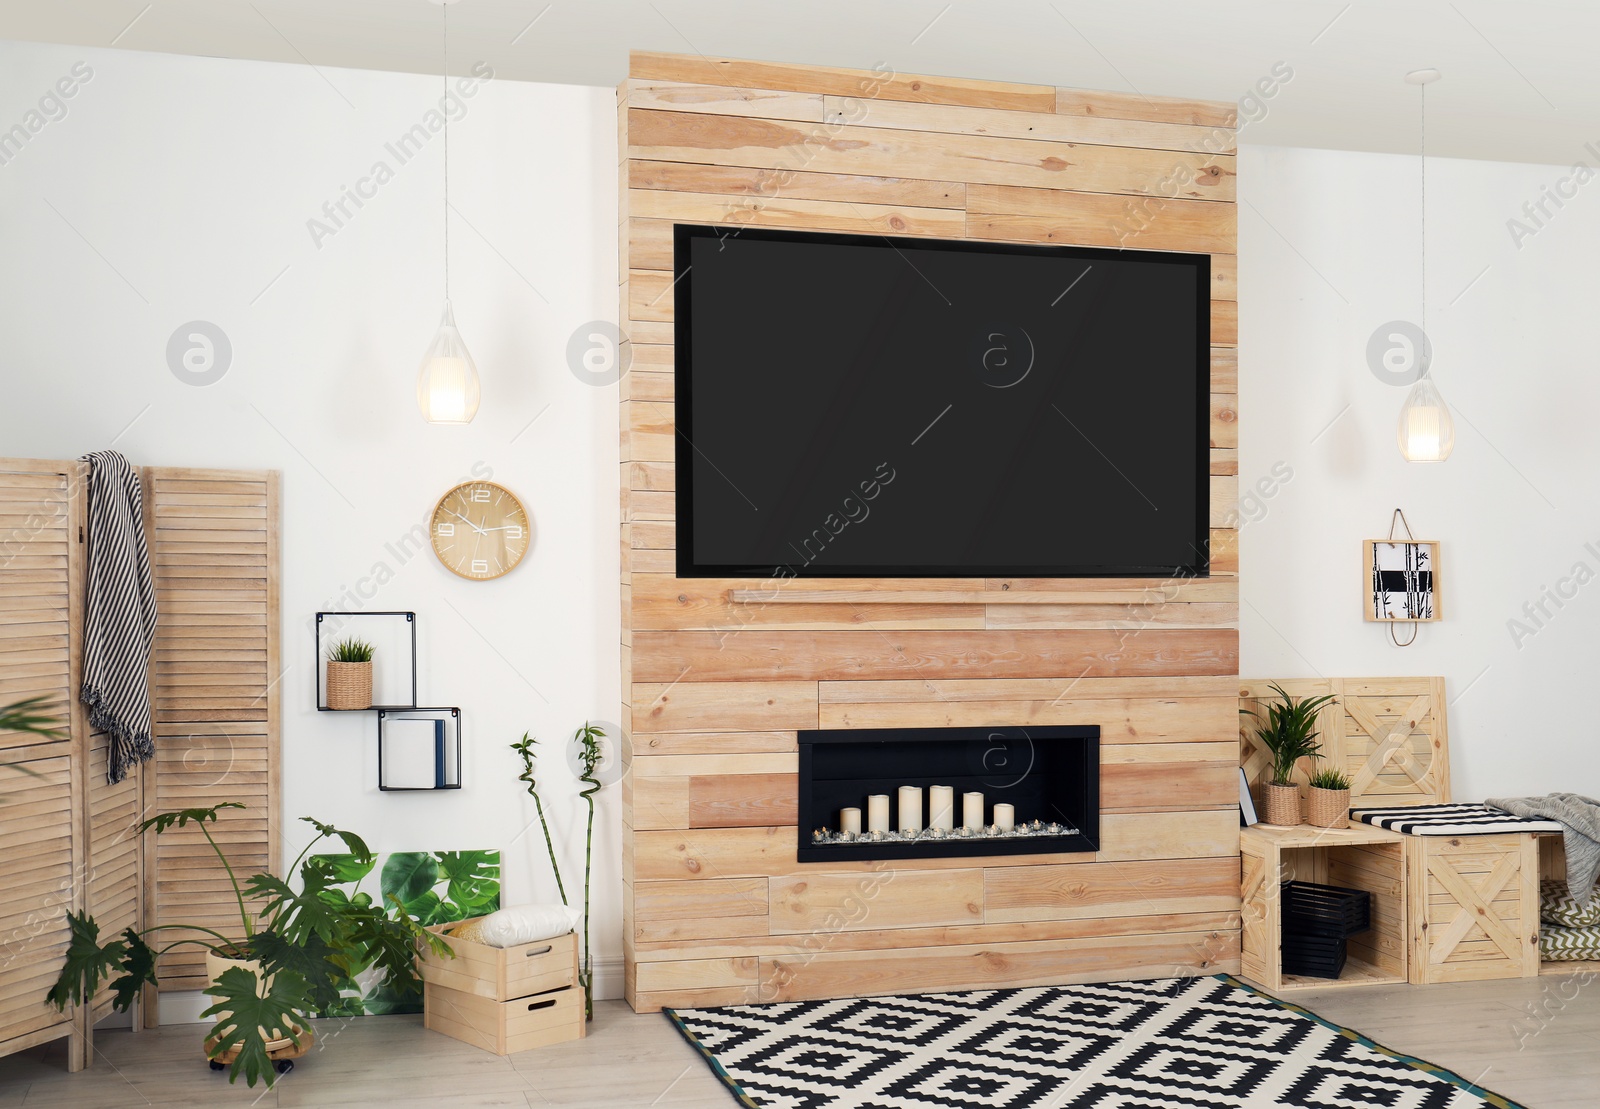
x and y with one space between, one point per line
480 530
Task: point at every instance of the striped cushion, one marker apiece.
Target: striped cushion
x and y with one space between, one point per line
1451 820
1557 906
1566 945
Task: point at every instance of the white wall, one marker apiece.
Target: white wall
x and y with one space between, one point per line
177 189
1328 252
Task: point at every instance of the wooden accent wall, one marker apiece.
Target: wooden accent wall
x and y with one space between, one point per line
718 676
215 681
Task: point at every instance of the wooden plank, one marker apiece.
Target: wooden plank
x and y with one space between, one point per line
680 96
1153 720
783 211
826 903
1083 890
1218 115
1120 617
761 656
1043 215
692 706
1082 128
880 83
692 177
976 159
999 966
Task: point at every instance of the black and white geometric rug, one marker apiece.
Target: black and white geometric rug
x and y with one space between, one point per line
1186 1043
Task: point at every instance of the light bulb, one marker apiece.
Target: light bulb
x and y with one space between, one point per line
447 383
1426 432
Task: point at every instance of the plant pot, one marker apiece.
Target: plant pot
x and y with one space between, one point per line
216 965
1328 808
1282 805
349 685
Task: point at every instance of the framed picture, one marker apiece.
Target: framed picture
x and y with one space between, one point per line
1402 581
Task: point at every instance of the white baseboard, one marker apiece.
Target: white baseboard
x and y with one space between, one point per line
185 1006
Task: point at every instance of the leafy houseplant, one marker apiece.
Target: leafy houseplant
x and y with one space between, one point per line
291 957
350 675
589 755
1329 801
30 715
1289 734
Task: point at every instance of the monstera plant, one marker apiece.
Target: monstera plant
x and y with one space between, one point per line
307 945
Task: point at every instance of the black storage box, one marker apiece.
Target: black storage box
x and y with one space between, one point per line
1317 920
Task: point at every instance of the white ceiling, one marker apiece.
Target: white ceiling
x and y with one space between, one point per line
1519 84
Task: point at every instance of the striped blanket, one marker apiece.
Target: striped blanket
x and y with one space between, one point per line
119 622
1451 820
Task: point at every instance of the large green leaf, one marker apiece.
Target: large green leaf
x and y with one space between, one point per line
295 916
429 909
410 874
87 962
355 844
138 968
348 868
473 879
314 960
181 817
276 1011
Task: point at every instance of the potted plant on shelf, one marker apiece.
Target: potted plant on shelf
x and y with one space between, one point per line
1328 803
290 959
1289 734
350 675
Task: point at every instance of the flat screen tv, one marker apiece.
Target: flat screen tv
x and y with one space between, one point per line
866 406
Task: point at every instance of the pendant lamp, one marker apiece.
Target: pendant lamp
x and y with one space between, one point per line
1426 432
447 383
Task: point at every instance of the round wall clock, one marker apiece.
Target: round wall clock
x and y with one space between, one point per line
480 530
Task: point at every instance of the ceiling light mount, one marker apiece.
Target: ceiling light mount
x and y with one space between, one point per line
1415 77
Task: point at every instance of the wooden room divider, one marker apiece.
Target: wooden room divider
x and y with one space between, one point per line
67 835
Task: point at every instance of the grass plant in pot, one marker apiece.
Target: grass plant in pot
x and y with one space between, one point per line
1328 802
1289 734
296 950
350 675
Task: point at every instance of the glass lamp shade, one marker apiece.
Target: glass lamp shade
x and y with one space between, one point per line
1426 432
447 383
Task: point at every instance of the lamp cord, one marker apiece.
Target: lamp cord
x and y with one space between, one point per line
1423 172
444 11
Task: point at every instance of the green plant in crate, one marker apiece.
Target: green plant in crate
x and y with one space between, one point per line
307 943
350 650
1289 732
1329 778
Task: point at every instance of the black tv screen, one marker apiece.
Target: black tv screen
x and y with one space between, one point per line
867 406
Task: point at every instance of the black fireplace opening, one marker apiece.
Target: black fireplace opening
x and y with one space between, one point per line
1050 776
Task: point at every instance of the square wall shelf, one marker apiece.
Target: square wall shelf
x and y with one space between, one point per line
419 749
393 636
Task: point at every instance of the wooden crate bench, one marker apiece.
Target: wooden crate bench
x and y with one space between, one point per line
1475 907
1360 857
503 999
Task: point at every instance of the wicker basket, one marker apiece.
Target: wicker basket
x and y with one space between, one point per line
1282 805
1328 808
349 685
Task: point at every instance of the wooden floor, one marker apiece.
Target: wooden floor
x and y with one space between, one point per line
1532 1040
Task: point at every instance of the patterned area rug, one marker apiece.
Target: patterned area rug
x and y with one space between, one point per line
1187 1043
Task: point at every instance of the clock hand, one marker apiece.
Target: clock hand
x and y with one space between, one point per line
464 520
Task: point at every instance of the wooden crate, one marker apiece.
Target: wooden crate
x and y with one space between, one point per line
1475 907
501 973
504 1027
1361 857
1553 864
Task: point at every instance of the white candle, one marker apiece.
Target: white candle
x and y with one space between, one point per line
910 809
878 812
972 811
1005 816
942 807
850 820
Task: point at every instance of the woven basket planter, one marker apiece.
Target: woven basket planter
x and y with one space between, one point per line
1281 805
349 685
1328 808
